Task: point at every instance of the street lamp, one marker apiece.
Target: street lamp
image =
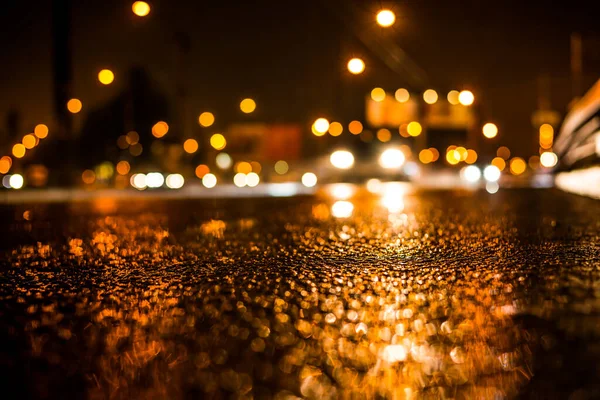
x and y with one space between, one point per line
386 18
356 66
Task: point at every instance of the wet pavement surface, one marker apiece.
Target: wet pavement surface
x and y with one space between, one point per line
437 294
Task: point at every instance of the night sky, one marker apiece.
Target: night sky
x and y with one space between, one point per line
290 55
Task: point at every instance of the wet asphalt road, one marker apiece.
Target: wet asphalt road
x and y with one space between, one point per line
439 294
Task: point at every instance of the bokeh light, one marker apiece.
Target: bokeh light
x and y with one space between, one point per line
155 179
209 180
355 127
470 173
160 129
5 164
435 152
548 159
74 106
201 170
453 97
503 152
218 142
309 179
391 159
106 76
140 8
491 173
342 159
466 97
29 141
223 160
426 156
402 95
41 131
430 96
175 181
190 146
136 149
252 179
138 181
320 126
517 166
18 150
206 119
132 137
490 130
248 106
356 66
335 129
386 18
240 179
342 209
281 167
414 129
378 94
499 163
384 135
88 177
123 167
453 157
256 167
243 167
16 181
471 157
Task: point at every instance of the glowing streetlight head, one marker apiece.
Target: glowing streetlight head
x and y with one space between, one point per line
247 106
342 159
140 8
356 66
466 97
386 18
392 159
106 76
490 130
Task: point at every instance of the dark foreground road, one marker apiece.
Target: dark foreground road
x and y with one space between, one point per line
442 295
